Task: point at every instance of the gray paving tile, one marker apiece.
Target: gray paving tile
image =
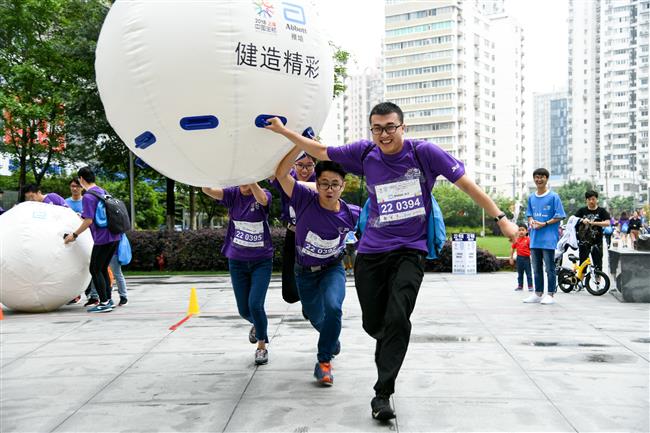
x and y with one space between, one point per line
417 414
195 416
479 360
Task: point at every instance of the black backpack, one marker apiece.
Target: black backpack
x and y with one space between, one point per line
116 213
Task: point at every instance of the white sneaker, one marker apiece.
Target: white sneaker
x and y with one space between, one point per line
533 299
548 300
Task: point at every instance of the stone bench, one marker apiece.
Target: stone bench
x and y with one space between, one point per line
630 271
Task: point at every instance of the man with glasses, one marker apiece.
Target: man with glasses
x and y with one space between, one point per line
302 171
400 174
75 201
322 222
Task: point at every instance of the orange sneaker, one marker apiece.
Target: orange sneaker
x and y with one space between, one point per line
323 373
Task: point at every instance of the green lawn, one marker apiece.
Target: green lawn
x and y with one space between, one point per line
497 245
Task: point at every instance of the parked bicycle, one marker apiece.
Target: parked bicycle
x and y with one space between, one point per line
579 276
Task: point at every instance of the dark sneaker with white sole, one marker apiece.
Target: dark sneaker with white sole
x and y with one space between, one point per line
251 335
381 409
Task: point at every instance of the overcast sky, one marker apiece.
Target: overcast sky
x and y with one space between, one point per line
357 26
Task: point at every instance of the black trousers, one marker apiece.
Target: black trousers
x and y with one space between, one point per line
596 254
100 258
289 288
387 286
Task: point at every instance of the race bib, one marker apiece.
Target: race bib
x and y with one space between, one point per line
320 248
249 234
399 200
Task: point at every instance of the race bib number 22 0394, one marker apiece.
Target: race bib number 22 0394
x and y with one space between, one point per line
399 200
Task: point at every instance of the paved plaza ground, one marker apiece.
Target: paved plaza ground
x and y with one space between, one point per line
479 360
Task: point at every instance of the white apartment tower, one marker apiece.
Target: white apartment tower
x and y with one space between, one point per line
512 167
608 82
440 68
364 90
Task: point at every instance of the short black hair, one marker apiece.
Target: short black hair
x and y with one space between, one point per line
384 108
330 166
30 187
75 179
522 226
541 172
591 193
86 173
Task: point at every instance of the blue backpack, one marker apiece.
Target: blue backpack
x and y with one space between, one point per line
436 232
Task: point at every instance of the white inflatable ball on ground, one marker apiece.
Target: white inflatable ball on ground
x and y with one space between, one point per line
188 85
38 272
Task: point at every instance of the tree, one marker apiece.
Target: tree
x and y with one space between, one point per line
46 52
572 195
620 204
147 201
341 58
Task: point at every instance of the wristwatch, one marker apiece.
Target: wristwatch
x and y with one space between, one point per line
498 217
74 235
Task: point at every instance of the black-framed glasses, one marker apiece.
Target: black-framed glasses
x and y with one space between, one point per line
390 129
305 166
334 186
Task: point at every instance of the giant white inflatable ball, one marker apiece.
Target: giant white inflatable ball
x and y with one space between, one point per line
38 273
187 84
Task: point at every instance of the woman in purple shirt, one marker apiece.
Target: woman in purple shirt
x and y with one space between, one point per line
390 260
322 222
302 171
249 250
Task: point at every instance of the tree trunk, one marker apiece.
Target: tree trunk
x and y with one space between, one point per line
192 208
22 175
171 205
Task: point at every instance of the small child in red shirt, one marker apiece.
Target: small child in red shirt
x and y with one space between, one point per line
522 246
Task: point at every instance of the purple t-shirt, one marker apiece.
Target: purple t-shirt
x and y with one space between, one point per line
287 214
101 235
320 233
399 193
55 199
248 236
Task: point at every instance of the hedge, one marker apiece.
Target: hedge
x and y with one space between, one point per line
200 250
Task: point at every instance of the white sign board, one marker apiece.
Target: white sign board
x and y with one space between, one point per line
463 252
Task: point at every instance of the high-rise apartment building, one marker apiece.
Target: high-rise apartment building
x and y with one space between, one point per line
332 132
512 167
550 149
364 90
608 95
440 68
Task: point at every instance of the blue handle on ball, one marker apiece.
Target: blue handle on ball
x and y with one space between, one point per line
192 123
140 163
309 133
263 120
145 140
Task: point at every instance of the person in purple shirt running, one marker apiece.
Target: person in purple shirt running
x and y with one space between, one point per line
249 250
32 192
302 171
105 242
388 272
322 222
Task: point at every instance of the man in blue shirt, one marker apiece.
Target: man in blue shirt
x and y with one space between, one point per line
75 200
544 213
